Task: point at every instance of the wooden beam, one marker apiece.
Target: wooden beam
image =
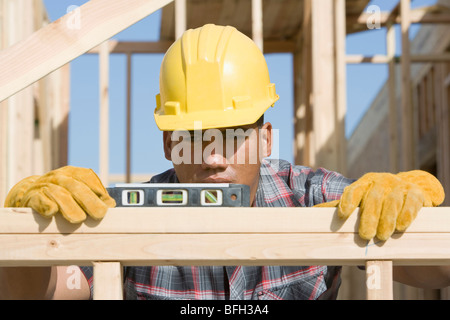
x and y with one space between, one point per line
55 45
359 58
104 113
274 46
424 58
125 47
379 58
108 283
257 23
379 280
407 146
302 89
326 134
128 122
393 136
21 111
180 18
340 82
220 249
417 16
192 220
299 108
220 236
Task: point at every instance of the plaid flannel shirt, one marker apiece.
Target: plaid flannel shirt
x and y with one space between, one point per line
281 185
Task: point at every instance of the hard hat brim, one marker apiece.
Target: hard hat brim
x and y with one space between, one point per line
211 119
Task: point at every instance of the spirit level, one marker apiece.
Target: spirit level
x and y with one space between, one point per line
180 194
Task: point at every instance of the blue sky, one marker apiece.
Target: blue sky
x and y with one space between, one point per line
363 83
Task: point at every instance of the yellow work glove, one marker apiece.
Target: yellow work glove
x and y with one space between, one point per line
388 202
70 190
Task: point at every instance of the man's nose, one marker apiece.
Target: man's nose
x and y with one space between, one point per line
214 161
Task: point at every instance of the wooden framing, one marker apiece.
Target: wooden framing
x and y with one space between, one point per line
379 280
393 135
340 83
55 45
319 45
407 146
220 236
104 113
379 58
257 23
128 123
34 122
419 15
325 141
180 18
428 60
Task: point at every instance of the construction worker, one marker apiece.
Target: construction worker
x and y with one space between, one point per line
214 82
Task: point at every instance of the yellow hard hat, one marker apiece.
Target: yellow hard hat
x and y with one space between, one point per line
216 75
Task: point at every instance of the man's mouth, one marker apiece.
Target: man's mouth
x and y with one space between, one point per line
217 179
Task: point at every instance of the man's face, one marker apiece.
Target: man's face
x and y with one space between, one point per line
230 155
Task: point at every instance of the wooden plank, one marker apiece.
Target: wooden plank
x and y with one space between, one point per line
422 108
393 135
436 57
431 105
21 115
180 18
193 236
416 17
299 108
104 113
209 220
222 249
379 58
55 45
340 83
407 146
379 280
308 154
257 23
325 140
108 283
62 122
125 47
4 186
359 58
273 46
128 121
302 89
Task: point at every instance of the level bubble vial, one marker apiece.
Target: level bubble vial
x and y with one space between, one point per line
211 197
133 197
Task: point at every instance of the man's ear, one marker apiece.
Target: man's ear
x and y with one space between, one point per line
167 141
265 137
